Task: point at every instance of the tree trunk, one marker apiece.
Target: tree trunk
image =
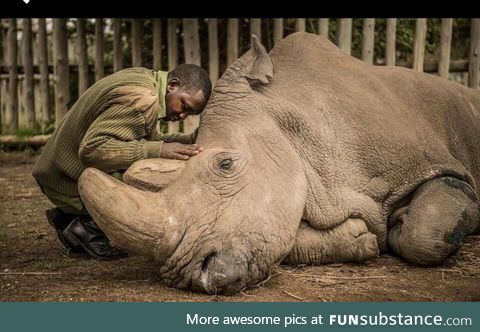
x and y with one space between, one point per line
137 25
445 47
99 50
277 30
256 28
323 27
213 49
344 35
61 70
368 40
419 48
12 112
82 57
232 40
157 44
117 45
300 24
474 61
43 67
173 127
390 49
191 46
28 68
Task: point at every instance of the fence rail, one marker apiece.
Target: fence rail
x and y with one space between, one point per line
46 63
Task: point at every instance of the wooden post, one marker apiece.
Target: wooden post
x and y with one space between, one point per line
368 40
213 49
173 127
61 70
82 57
344 35
117 45
300 24
99 50
232 40
12 113
419 48
390 47
137 42
157 43
43 66
191 46
256 28
445 47
28 68
474 60
277 30
323 27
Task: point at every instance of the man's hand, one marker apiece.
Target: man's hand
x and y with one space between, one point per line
179 151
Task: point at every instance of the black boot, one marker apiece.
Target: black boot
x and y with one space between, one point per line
60 221
84 232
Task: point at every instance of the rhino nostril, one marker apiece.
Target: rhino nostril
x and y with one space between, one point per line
208 260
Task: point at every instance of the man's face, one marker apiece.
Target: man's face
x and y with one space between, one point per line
180 104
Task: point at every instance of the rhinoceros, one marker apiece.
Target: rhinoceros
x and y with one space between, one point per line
311 157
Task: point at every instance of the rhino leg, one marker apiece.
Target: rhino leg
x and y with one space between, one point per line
348 242
441 213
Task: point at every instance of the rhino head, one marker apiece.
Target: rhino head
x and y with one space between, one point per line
233 212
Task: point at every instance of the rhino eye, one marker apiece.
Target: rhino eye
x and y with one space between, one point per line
225 164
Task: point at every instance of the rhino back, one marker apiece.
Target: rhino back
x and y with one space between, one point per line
387 129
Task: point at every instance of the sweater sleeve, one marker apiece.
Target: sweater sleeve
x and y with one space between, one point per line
116 139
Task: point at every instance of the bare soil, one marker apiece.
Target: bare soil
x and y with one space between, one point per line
34 266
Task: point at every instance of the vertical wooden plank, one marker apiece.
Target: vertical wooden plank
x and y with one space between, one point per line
46 115
474 59
232 40
191 45
173 127
390 47
117 45
83 83
99 50
256 28
344 34
445 47
172 44
27 52
323 27
419 47
277 30
3 82
12 112
300 24
213 49
61 70
137 25
157 43
368 40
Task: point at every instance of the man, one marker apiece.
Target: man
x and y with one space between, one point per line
111 126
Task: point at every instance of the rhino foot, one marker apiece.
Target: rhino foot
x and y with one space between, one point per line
348 242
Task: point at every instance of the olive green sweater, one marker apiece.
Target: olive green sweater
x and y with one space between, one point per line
111 126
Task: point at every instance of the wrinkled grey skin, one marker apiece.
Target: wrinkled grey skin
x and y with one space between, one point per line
311 156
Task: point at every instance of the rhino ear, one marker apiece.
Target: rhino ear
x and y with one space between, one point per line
253 68
259 70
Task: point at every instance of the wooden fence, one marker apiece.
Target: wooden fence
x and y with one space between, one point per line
39 61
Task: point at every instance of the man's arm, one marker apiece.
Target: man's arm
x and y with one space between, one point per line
115 140
176 137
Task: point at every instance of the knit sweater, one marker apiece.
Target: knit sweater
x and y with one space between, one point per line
111 126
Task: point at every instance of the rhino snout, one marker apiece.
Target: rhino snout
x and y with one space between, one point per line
220 273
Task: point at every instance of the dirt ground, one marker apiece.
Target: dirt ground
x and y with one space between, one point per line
34 267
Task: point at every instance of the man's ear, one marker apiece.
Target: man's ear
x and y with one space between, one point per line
259 70
172 84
